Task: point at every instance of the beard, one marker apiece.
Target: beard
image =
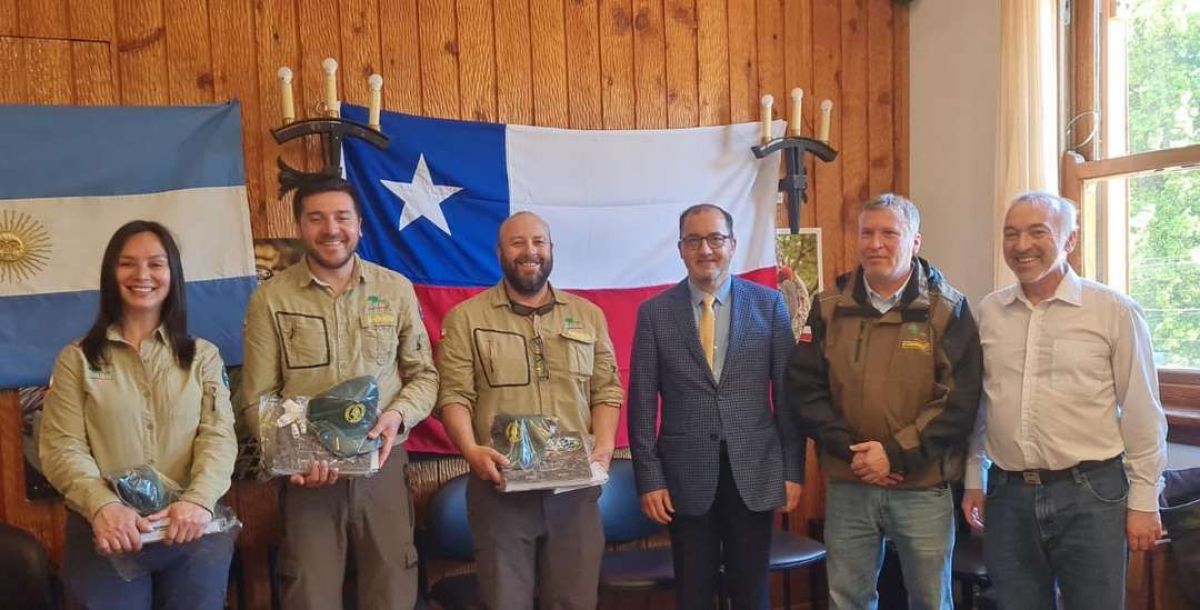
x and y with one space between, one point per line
527 284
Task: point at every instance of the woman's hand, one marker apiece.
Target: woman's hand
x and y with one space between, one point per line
116 528
187 521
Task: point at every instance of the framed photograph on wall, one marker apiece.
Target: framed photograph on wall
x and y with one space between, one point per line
798 265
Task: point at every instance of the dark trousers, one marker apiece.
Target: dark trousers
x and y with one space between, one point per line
191 576
728 535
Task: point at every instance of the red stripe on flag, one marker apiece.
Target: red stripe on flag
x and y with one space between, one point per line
620 308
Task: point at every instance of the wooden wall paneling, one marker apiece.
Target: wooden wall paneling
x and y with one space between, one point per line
48 71
771 62
12 82
234 65
400 45
92 75
880 91
361 53
712 56
649 54
320 38
855 176
744 100
142 49
277 45
9 18
679 18
439 58
900 130
798 72
91 19
514 85
547 35
43 18
581 24
476 60
825 187
618 96
189 61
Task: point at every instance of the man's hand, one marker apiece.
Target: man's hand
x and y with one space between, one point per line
657 506
871 465
972 508
794 490
116 528
602 455
320 474
1142 528
389 425
187 521
485 462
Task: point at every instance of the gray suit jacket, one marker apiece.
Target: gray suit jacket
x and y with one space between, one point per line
765 446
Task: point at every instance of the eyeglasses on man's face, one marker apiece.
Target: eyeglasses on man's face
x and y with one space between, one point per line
716 241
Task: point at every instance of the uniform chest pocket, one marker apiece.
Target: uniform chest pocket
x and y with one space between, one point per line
379 341
581 353
305 340
503 357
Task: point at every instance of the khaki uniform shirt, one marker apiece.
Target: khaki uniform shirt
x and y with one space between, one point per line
140 408
301 340
558 364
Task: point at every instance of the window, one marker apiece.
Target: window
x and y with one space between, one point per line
1136 89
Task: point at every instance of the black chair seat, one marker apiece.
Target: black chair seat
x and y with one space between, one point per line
459 592
968 559
637 569
790 551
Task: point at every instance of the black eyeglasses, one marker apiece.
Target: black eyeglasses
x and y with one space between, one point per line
539 358
715 241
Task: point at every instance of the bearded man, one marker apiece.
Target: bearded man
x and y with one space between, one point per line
525 348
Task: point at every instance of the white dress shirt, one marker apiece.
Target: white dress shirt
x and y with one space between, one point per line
1068 380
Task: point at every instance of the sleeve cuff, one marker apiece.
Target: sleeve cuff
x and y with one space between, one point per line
895 456
200 499
1143 497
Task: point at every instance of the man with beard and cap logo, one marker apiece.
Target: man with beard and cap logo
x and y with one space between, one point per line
524 348
321 322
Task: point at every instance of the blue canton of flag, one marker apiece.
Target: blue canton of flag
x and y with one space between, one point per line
435 197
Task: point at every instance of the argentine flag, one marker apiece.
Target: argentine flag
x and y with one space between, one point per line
71 175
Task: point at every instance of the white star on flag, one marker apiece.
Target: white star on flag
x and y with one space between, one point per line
422 197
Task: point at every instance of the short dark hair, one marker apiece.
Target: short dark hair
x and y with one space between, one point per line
174 309
316 186
704 207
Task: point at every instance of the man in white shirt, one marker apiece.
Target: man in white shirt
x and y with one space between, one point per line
1070 421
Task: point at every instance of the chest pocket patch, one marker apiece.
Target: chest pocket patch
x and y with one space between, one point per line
581 351
305 340
503 356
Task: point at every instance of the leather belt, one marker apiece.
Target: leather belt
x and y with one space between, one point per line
1042 477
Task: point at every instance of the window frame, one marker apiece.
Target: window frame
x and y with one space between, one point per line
1084 60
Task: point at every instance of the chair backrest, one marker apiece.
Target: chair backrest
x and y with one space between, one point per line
448 532
621 506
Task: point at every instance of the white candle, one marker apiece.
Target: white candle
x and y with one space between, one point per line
764 132
287 101
794 114
826 111
375 84
332 107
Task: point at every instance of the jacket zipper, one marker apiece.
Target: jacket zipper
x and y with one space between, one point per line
862 328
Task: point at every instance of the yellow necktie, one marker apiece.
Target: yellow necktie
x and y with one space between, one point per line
708 329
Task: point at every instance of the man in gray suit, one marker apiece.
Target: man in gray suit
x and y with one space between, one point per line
714 349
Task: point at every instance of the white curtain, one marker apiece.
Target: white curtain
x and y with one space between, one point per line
1026 156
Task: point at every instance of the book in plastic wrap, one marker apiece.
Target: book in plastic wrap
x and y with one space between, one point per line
542 457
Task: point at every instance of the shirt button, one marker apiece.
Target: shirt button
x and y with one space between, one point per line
714 437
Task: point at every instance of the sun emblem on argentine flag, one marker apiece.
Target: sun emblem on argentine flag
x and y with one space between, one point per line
24 246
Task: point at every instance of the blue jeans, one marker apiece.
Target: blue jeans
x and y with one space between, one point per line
192 576
919 522
1069 533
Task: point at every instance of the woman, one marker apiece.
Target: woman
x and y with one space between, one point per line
138 390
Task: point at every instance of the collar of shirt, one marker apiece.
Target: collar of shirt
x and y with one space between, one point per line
499 296
721 296
308 277
1069 291
881 304
114 333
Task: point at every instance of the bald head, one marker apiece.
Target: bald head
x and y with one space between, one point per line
522 222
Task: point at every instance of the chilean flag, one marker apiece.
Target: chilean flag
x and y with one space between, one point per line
434 200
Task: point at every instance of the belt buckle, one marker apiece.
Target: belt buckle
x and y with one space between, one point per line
1031 477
